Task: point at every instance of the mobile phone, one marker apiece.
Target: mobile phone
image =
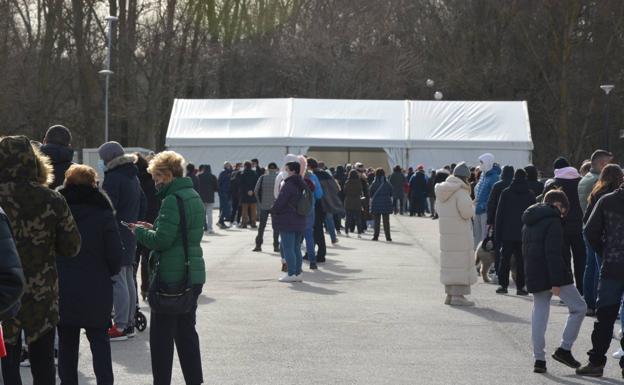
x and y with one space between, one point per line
125 224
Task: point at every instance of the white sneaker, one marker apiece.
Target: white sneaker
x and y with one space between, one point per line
619 354
460 300
288 278
25 363
299 277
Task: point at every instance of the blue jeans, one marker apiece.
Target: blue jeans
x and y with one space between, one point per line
331 226
225 208
590 277
309 238
291 251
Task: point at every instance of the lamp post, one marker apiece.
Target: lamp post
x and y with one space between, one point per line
110 20
438 95
607 88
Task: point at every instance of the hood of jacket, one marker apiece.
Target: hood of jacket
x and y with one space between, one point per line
85 195
121 161
487 162
531 173
507 173
20 161
567 173
538 212
519 186
58 154
445 190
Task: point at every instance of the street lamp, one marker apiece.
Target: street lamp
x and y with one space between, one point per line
110 20
607 88
430 83
438 95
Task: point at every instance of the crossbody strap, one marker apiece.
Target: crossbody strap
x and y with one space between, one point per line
184 231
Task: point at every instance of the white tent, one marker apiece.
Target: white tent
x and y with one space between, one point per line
434 133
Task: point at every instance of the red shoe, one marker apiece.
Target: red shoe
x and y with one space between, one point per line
117 335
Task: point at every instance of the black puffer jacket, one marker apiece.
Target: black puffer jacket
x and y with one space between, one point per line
61 158
573 222
248 180
513 202
604 231
497 190
11 274
542 235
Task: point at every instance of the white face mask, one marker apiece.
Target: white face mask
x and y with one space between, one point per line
101 167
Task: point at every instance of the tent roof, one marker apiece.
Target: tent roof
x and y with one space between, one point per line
349 123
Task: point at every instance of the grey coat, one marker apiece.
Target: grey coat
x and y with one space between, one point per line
264 190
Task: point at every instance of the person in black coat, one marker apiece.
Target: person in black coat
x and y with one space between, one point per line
418 192
513 202
567 178
85 281
498 188
56 145
208 186
153 206
548 274
248 180
535 185
235 178
191 172
11 273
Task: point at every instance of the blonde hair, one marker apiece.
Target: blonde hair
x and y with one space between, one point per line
80 174
169 161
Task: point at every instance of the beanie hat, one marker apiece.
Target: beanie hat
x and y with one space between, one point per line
487 161
110 150
461 170
561 162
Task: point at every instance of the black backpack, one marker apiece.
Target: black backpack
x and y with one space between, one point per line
304 205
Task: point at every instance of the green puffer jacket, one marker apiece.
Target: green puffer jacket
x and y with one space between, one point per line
166 238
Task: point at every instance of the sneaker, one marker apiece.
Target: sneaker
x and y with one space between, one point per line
539 366
619 354
590 370
375 239
447 300
522 292
566 358
501 290
299 277
117 335
388 239
313 266
257 248
494 279
460 300
288 278
130 331
24 361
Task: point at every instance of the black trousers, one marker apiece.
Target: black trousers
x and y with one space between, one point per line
354 217
574 253
319 234
264 217
386 224
41 355
236 210
608 306
69 343
166 329
511 248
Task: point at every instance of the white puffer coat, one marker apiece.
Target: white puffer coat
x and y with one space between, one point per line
455 209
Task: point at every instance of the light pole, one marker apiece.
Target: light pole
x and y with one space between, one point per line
110 20
438 95
607 88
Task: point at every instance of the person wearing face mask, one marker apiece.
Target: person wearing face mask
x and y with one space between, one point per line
122 185
548 274
166 239
490 175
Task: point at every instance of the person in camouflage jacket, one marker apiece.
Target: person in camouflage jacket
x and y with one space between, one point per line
44 228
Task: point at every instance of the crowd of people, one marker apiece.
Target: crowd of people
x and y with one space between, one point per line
147 217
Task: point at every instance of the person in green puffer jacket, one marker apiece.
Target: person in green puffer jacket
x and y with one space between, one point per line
164 238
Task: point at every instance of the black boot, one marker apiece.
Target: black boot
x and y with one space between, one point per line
539 367
566 358
590 370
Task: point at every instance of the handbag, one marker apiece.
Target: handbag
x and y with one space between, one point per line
173 298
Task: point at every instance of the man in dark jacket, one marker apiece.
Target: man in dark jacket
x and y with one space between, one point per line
548 274
319 213
604 231
208 186
248 179
11 273
535 185
397 180
492 204
122 185
568 178
225 200
513 202
56 145
235 193
255 166
418 192
192 173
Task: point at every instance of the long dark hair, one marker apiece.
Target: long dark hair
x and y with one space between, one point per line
610 179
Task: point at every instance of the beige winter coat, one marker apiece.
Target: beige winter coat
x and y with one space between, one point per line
455 209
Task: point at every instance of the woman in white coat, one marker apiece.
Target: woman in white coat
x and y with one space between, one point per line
455 209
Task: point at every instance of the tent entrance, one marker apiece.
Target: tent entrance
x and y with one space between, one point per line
334 156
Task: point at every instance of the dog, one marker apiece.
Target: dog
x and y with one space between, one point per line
485 257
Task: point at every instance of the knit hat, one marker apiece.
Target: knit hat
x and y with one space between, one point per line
110 150
561 162
462 170
487 162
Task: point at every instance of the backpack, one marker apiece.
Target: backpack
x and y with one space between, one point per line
304 205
